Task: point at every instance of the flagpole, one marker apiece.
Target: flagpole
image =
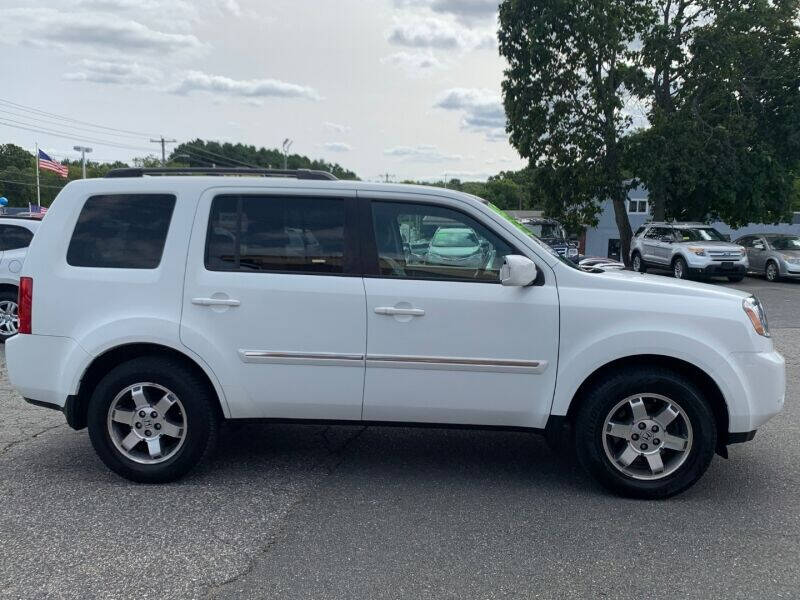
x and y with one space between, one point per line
38 192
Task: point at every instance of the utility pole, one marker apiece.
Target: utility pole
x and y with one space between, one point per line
386 176
287 143
84 150
163 143
38 190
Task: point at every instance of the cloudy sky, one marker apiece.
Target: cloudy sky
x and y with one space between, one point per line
405 87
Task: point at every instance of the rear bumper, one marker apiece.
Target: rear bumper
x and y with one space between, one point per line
42 368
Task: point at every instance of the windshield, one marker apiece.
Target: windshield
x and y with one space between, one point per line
700 234
545 230
454 238
531 235
786 243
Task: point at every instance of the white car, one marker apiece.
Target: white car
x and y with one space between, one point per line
163 305
16 234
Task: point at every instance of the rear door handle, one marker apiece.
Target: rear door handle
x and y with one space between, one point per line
391 310
215 302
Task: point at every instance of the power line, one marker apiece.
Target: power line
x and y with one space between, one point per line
67 135
199 149
31 184
49 114
52 122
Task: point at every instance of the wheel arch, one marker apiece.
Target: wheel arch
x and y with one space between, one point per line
101 364
700 378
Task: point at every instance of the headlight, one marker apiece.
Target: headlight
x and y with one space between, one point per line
795 260
757 315
697 250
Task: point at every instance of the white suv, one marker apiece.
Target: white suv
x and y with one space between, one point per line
163 305
16 234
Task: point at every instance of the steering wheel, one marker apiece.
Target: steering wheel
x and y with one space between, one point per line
397 268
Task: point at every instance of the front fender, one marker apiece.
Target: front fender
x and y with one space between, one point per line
582 360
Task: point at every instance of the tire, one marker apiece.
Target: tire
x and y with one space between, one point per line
772 272
185 414
736 278
638 264
602 453
680 270
9 317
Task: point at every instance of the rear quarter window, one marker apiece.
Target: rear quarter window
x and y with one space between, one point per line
121 231
13 237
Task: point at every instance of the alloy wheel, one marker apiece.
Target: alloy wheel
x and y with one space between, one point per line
9 318
147 423
678 269
647 436
637 264
772 272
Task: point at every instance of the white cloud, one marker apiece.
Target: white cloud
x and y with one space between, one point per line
421 153
337 127
481 109
113 72
337 146
415 64
466 11
433 32
95 30
197 81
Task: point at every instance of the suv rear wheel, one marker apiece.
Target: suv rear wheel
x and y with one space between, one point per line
151 420
645 433
9 317
638 263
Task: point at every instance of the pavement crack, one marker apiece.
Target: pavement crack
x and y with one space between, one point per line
16 443
337 452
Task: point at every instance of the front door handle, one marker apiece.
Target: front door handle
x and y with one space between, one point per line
215 302
391 310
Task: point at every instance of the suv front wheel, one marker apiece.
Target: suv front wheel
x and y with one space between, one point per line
645 433
151 420
680 269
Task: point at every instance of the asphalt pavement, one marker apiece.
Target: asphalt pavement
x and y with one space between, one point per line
353 512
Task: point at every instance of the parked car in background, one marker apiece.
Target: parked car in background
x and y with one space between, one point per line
552 233
775 256
457 246
598 262
688 250
206 302
16 234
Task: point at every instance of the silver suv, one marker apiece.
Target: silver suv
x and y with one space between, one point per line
689 250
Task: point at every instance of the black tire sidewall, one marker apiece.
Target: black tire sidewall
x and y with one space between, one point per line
777 271
589 431
641 268
201 421
684 267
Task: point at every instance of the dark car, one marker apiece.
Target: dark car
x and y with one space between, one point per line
552 233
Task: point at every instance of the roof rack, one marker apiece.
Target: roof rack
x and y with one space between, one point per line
295 173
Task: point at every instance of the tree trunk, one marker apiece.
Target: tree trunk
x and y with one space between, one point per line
624 226
657 199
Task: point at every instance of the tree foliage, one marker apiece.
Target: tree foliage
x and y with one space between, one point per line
572 65
724 135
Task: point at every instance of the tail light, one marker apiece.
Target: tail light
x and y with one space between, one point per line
25 304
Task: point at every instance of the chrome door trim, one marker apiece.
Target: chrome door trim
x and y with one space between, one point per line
323 359
439 363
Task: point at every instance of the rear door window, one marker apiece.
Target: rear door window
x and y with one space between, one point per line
121 231
13 237
276 234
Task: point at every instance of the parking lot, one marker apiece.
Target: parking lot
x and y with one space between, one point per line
354 512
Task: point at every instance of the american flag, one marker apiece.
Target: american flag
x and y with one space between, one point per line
36 209
48 164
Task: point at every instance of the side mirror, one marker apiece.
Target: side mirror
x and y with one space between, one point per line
518 271
726 237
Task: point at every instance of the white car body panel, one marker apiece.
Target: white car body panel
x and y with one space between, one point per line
311 346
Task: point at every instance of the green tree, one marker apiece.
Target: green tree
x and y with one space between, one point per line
572 65
723 138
